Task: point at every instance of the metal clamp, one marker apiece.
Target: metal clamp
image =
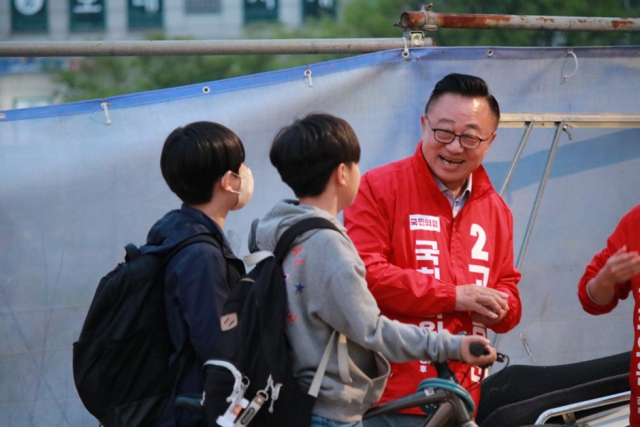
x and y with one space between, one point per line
431 23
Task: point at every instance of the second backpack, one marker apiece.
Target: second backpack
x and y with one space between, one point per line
251 381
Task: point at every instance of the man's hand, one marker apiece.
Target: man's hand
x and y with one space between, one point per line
487 321
619 268
487 306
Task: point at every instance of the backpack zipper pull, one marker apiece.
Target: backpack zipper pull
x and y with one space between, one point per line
275 392
274 396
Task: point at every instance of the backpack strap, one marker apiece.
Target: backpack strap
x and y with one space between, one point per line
187 353
343 363
205 237
280 252
343 359
290 235
255 257
233 273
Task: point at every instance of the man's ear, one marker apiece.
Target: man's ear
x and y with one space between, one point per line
490 140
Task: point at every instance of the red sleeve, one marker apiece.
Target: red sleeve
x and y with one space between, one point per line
401 291
617 239
508 283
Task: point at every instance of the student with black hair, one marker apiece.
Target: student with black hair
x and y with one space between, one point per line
203 164
317 157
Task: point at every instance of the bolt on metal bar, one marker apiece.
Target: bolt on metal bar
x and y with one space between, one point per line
427 20
203 47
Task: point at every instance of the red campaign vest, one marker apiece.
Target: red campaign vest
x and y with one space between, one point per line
416 253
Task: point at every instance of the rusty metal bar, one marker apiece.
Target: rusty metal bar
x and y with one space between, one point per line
427 20
203 47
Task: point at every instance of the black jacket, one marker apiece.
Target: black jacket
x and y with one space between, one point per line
196 286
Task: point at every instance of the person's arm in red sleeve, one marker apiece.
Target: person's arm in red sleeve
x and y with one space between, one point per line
396 290
606 279
508 284
618 291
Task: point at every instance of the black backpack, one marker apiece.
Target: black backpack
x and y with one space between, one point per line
253 369
121 360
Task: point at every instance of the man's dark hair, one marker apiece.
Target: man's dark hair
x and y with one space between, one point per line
464 85
195 156
308 151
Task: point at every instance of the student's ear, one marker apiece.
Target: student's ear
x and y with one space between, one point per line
340 174
225 181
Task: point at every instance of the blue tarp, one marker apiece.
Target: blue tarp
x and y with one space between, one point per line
75 189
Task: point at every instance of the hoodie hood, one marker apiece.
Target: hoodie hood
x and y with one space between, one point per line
283 215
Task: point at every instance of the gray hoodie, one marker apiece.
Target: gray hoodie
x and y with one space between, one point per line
327 291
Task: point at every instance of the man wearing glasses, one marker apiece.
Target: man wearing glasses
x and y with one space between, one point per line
436 238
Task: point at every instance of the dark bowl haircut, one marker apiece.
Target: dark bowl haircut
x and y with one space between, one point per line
195 156
308 151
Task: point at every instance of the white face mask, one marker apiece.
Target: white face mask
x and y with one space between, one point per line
246 189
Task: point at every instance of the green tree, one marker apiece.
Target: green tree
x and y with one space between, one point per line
99 77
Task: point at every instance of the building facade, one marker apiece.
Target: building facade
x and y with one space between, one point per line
24 81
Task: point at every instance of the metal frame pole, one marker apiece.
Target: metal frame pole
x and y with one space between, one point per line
413 21
205 47
536 203
562 122
541 188
516 158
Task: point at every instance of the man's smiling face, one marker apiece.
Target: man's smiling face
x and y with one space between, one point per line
452 163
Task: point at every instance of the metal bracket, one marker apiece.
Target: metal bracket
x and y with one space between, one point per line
412 39
417 38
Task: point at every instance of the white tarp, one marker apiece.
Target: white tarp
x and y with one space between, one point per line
75 189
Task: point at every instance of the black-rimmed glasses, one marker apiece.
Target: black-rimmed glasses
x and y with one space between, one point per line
443 136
